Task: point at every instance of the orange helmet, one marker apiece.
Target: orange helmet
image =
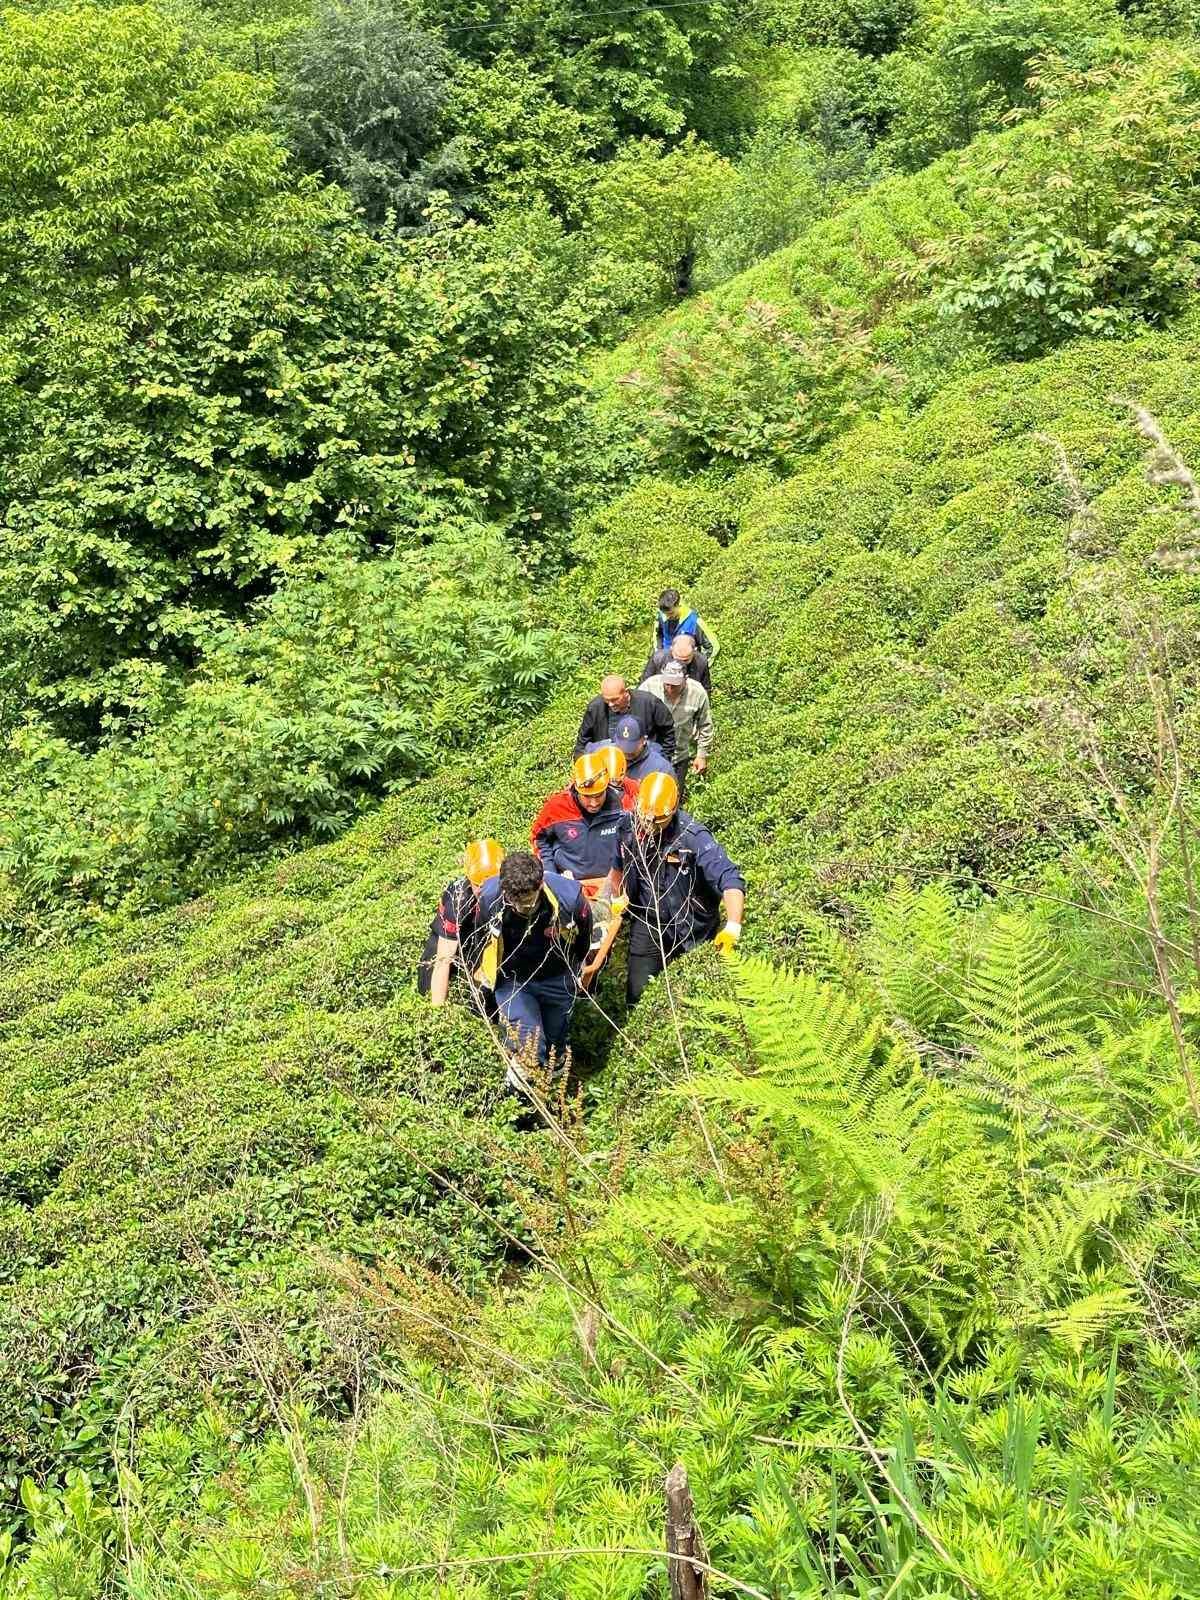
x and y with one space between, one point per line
482 859
618 764
589 773
658 799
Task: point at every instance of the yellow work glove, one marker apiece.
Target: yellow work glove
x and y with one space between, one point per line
728 937
619 905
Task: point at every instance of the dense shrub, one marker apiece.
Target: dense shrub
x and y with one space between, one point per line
753 388
350 678
518 142
366 109
1096 231
683 66
650 205
781 185
871 27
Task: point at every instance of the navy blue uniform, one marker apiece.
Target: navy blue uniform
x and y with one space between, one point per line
537 959
584 843
454 919
675 882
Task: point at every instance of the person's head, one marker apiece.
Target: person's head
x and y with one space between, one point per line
521 882
629 738
657 802
615 692
683 648
482 860
668 603
674 678
589 779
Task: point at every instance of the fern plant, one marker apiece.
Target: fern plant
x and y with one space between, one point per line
1032 1071
912 952
825 1070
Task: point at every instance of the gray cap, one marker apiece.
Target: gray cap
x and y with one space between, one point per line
674 672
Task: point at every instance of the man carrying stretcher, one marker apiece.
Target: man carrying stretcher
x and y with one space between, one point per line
577 834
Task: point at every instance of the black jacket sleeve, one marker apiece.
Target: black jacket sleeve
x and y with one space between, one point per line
655 662
703 674
593 726
657 722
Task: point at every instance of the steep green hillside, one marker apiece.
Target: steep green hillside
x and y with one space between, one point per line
884 1228
205 1119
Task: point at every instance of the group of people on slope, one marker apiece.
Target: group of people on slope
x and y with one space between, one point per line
531 929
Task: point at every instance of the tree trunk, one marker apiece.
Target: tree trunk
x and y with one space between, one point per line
683 1538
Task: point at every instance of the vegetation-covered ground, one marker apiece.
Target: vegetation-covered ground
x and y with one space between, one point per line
884 1230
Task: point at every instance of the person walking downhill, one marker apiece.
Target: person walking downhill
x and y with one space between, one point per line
617 701
683 649
671 883
447 948
688 704
642 756
675 618
536 932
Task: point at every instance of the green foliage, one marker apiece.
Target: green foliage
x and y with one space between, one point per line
871 27
366 104
781 186
536 1450
1025 1031
1097 232
352 677
649 207
996 44
752 388
518 142
901 1264
676 64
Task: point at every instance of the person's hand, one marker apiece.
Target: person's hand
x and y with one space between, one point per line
700 764
726 940
618 906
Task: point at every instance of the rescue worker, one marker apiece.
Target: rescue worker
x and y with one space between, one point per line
642 757
454 922
675 618
616 700
577 830
535 931
683 649
671 882
688 704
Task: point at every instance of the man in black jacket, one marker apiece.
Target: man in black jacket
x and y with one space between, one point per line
683 649
616 701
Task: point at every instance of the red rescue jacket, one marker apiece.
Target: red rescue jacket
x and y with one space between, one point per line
569 839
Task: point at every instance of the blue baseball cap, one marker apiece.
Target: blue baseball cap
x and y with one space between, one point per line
628 735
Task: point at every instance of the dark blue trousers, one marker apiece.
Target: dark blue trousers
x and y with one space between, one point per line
537 1011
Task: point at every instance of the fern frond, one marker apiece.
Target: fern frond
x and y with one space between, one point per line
911 952
823 1068
831 956
1026 1034
1083 1320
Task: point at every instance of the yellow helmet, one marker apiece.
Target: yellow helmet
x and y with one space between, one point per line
618 764
589 773
658 799
482 859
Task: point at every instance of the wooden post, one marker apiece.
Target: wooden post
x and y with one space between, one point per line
683 1538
